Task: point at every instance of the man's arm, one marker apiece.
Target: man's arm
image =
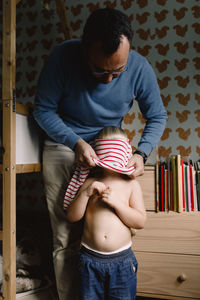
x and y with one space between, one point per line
49 92
153 111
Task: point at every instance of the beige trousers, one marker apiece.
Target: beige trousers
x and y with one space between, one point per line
58 162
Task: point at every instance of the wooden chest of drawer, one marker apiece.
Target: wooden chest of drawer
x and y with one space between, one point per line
168 274
147 182
170 232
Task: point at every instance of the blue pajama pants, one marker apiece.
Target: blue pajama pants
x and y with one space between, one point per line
107 277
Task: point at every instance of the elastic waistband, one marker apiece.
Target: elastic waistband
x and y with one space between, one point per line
112 252
121 254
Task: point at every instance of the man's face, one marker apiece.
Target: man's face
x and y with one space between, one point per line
105 68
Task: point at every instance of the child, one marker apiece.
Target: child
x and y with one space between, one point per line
111 203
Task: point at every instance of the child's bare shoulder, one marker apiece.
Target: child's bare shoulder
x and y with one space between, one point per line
134 183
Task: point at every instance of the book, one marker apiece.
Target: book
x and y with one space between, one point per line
179 184
166 190
195 190
171 189
183 185
186 188
157 185
198 188
174 182
162 188
191 186
168 183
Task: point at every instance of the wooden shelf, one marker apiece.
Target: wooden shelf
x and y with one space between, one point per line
170 232
28 168
25 168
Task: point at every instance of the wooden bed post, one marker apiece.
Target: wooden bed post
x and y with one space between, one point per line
62 13
9 144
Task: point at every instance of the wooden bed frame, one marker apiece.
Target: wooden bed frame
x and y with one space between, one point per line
15 119
16 158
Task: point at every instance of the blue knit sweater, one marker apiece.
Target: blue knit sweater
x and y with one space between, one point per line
70 103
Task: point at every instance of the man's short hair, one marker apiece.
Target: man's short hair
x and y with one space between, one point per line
106 25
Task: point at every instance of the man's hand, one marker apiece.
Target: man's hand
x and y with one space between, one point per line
138 162
84 154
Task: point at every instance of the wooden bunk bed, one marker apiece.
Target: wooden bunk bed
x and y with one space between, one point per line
15 132
14 122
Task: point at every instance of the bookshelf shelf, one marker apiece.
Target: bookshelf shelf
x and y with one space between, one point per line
167 249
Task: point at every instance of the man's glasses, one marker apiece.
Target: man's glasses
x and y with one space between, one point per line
113 73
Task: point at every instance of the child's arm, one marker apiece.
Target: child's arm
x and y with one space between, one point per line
134 215
77 208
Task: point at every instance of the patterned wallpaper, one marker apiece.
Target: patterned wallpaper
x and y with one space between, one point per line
166 32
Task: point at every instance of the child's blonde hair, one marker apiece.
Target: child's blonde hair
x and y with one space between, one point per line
111 132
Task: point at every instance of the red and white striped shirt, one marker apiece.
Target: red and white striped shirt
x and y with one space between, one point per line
113 154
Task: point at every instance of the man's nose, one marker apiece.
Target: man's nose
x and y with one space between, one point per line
108 78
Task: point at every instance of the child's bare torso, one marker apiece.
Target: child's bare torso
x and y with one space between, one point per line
103 229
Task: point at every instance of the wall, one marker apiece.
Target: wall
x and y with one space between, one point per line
166 32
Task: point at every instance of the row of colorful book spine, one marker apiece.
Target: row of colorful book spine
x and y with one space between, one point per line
178 185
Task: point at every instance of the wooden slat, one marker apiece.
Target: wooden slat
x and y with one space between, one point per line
170 232
22 109
62 13
1 235
9 142
28 168
25 168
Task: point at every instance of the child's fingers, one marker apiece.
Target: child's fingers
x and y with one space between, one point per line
107 191
99 187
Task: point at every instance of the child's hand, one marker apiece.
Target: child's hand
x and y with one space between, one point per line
96 186
106 196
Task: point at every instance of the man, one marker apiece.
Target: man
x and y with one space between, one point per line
84 86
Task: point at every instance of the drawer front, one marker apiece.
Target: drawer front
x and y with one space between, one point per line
147 182
167 274
169 232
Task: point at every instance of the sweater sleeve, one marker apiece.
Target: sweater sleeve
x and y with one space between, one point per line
152 109
49 92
